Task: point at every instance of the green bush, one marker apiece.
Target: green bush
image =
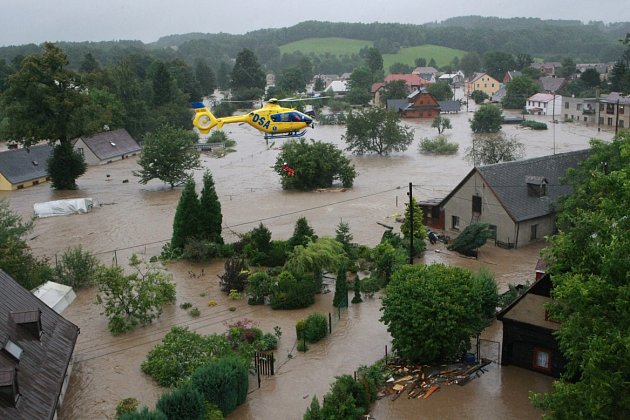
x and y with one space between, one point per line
76 268
300 327
259 285
218 136
487 289
293 291
534 125
267 342
201 250
128 405
185 403
223 382
194 312
438 146
316 327
347 399
180 353
144 414
371 285
185 305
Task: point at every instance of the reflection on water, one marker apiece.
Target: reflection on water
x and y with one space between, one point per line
132 215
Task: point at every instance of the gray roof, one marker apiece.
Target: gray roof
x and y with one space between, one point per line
44 360
397 104
450 106
508 180
25 164
551 84
110 144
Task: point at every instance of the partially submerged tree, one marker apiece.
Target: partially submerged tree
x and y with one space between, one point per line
487 119
488 149
134 299
187 221
211 218
313 165
431 311
302 233
235 275
472 237
340 300
441 123
169 155
376 131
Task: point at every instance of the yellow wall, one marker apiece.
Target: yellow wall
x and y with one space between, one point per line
485 83
5 185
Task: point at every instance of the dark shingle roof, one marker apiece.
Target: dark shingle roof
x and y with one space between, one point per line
18 165
397 104
44 360
449 106
508 180
110 144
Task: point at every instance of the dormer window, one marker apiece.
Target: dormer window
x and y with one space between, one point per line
30 321
536 186
35 163
9 390
13 350
112 143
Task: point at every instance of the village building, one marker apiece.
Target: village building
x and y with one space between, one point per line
528 333
483 82
454 79
549 84
515 198
338 88
544 104
106 147
428 74
35 361
511 74
421 104
24 167
547 69
611 111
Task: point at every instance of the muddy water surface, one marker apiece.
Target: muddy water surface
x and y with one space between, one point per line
135 218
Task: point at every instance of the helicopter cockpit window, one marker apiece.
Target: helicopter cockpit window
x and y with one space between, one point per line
284 117
295 116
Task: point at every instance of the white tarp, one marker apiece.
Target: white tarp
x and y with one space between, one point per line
55 295
63 207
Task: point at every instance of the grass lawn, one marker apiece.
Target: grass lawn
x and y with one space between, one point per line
441 55
336 46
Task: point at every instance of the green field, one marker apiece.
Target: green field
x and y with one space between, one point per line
336 46
441 55
341 46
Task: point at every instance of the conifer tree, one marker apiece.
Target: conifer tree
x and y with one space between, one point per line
187 215
344 237
301 233
357 291
313 412
211 217
340 300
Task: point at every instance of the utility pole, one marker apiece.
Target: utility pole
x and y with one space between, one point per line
597 92
553 121
410 194
617 118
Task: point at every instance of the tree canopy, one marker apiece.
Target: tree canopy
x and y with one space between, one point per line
314 165
168 155
247 78
487 119
432 311
589 267
517 91
375 130
490 148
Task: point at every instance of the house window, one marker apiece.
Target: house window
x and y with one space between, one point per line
585 119
566 105
610 121
476 204
435 212
620 123
21 186
36 182
541 359
455 222
533 233
601 107
13 350
579 107
81 151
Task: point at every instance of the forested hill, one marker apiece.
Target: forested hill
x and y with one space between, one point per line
593 41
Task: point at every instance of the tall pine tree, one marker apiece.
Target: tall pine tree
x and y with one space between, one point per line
211 217
301 233
187 216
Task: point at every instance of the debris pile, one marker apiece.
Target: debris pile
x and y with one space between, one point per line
422 381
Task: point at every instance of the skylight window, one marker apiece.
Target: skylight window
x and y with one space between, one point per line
112 143
13 349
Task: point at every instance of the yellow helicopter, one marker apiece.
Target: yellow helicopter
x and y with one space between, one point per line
273 119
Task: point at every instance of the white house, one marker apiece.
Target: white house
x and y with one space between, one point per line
544 104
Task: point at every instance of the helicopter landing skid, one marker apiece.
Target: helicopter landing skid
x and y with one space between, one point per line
293 134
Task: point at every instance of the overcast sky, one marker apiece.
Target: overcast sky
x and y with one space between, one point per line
36 21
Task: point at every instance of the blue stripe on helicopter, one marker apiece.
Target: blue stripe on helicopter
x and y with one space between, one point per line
197 105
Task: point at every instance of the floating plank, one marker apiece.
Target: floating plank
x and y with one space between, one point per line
431 391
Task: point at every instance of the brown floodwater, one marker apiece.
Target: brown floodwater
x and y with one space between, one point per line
135 218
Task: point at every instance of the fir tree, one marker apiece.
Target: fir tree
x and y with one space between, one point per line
340 300
313 412
187 215
344 237
65 166
211 217
301 233
357 291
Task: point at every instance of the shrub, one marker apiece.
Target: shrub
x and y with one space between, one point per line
234 295
76 268
144 414
194 312
371 285
185 305
217 136
180 353
182 404
128 405
223 382
347 399
300 327
487 289
534 125
259 286
438 146
316 327
267 342
301 346
201 250
293 291
235 276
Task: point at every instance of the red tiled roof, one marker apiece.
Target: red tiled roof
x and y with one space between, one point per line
409 79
